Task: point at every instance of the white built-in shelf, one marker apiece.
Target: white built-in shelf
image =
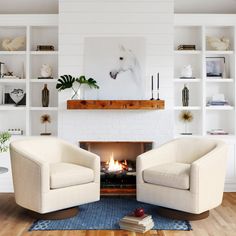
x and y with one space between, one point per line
43 80
44 52
43 108
12 52
188 52
220 108
219 52
189 108
14 81
224 80
12 108
177 80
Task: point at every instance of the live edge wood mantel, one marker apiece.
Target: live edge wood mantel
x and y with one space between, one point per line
116 104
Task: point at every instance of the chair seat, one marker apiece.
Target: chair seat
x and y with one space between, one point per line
65 174
175 175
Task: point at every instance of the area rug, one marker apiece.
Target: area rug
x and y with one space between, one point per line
105 215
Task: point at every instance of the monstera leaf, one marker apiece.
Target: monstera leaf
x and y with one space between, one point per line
65 82
90 82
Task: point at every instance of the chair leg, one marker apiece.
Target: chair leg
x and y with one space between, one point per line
56 215
181 215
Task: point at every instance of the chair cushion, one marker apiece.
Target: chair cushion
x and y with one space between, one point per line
65 174
174 175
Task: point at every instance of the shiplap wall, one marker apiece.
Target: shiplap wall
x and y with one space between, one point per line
152 19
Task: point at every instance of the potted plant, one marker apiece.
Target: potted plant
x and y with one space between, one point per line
4 138
70 82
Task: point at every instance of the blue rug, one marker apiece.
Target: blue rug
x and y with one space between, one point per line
105 215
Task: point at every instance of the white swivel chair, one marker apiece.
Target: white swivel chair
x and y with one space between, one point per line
186 174
50 174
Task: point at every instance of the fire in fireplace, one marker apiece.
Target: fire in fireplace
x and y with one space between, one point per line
118 163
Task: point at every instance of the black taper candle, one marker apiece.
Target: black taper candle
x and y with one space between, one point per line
152 82
158 81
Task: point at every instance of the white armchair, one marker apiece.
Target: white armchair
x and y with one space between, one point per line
186 174
50 174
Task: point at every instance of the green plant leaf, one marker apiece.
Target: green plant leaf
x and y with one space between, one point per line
65 82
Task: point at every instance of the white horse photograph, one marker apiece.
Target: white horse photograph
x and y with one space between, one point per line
117 64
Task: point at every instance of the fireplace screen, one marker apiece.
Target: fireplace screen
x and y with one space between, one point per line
118 162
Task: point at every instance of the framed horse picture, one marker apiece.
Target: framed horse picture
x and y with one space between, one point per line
118 65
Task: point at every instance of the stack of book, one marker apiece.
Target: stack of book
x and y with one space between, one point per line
137 224
218 100
217 132
186 47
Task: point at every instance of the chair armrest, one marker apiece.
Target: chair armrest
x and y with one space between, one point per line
79 156
158 156
207 175
30 178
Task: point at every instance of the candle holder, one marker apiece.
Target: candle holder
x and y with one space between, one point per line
152 98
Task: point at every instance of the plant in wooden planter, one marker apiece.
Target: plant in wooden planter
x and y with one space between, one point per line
70 82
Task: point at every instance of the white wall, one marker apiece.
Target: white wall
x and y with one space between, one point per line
151 19
181 6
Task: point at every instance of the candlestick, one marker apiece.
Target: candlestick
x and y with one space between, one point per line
158 86
152 89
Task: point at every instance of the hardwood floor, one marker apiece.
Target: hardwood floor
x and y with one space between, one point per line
221 222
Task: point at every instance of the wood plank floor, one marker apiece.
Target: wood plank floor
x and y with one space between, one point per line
221 222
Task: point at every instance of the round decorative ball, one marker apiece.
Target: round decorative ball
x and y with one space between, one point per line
139 212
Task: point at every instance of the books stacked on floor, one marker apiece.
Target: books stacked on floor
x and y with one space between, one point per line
137 224
218 100
186 47
217 132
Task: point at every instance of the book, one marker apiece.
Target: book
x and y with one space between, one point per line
137 224
137 228
135 219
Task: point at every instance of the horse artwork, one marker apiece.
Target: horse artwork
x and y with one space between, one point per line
117 63
128 63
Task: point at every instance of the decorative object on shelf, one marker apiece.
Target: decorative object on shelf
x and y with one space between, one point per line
68 81
13 44
217 44
45 119
45 96
1 94
17 95
218 100
186 47
185 96
22 76
186 117
217 132
3 70
15 131
215 67
152 98
187 72
45 48
46 72
4 138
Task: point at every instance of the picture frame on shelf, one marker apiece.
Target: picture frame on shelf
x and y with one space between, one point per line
15 95
215 67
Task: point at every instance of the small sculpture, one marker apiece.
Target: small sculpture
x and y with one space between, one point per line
218 44
46 71
187 72
17 95
45 119
185 96
13 44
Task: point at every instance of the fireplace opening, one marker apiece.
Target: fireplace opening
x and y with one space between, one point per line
118 164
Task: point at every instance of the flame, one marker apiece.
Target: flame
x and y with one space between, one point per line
114 165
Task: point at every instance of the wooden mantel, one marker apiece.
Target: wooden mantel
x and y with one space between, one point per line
116 104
